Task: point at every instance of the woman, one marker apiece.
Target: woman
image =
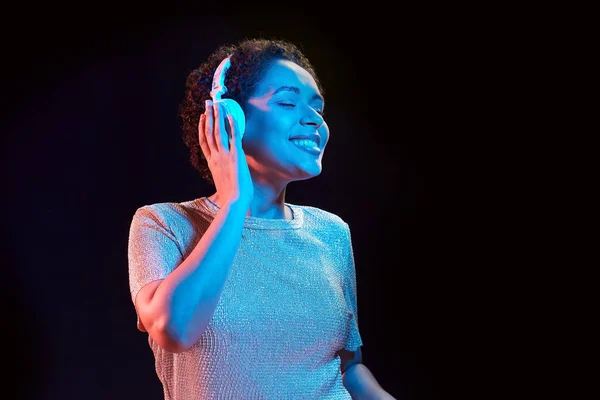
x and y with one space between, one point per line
243 295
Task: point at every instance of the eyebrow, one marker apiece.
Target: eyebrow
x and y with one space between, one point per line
297 91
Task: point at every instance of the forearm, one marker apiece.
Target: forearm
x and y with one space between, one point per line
362 385
185 301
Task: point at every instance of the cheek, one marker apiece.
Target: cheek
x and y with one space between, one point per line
269 126
262 130
282 122
254 126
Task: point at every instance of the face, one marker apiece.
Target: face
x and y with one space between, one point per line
285 132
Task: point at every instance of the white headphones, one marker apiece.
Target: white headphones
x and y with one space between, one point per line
232 107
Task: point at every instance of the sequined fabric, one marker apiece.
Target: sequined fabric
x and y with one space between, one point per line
287 307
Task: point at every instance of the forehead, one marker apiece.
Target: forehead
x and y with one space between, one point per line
287 73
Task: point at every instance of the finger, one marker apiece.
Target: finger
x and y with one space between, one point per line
209 127
220 132
202 136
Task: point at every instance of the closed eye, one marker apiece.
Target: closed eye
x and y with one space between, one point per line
320 111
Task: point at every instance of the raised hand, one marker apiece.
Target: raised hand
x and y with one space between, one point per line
225 156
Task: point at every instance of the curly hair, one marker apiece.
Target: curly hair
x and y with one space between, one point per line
250 59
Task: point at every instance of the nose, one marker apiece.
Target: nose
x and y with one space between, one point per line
312 118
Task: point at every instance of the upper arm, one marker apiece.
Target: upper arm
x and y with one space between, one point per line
349 358
354 339
153 252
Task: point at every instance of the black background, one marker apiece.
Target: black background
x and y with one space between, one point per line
93 134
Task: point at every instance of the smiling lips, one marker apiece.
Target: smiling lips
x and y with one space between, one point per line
309 142
307 145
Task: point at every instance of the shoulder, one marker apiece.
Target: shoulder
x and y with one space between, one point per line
323 216
332 228
165 213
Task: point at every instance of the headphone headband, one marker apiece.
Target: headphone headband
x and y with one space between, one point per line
218 83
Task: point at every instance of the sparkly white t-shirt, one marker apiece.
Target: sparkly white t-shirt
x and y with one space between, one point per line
287 307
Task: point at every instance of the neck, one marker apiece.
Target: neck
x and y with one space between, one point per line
266 203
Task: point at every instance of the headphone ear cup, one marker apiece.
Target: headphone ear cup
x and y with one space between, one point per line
235 110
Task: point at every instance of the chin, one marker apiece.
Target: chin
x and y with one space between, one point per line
309 173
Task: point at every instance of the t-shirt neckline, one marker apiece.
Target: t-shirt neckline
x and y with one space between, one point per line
257 222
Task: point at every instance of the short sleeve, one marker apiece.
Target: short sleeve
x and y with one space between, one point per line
153 250
350 293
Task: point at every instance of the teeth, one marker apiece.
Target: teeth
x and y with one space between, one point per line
305 142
